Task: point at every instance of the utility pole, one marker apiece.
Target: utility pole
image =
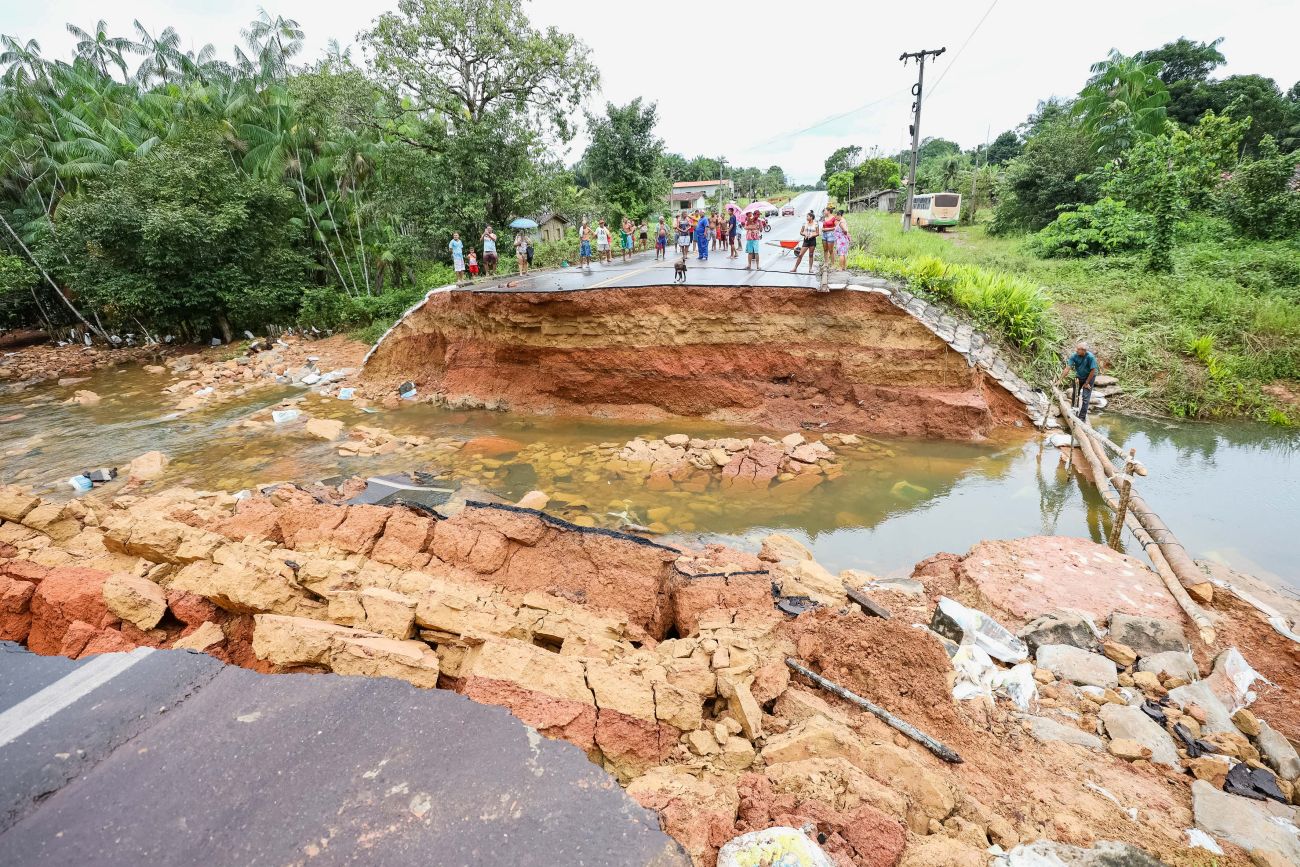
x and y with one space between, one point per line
917 90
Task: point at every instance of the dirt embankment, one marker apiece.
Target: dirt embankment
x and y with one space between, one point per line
778 358
665 666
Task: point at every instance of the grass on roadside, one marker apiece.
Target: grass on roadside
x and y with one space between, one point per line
1200 342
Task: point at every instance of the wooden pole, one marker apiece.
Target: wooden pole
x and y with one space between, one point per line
1154 552
1189 575
1121 513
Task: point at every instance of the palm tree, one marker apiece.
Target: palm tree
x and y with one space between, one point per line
24 62
100 48
274 41
161 54
1123 102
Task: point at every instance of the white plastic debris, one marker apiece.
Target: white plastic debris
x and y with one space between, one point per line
244 494
204 392
1017 684
974 671
284 416
773 847
1232 680
1199 839
345 393
80 484
979 629
311 379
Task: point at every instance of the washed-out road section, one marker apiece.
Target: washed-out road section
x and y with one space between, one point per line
173 757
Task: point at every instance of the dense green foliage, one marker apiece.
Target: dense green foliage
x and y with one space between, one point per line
195 196
1162 209
624 159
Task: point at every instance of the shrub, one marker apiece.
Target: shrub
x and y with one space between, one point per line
1258 199
1106 227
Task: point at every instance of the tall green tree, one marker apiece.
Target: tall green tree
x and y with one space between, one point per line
843 159
101 49
624 157
1055 171
1004 148
1122 103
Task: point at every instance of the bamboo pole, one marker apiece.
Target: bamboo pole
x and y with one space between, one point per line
1156 552
1193 611
1121 513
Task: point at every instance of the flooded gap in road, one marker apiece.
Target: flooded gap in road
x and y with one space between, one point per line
896 501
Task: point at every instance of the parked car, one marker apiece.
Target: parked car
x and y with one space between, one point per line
787 211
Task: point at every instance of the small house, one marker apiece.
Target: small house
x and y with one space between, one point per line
550 227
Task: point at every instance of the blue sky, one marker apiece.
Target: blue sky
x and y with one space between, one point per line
753 81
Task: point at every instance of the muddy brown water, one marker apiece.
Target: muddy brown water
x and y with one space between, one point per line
1231 491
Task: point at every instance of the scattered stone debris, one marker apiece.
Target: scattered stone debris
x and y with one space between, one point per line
666 665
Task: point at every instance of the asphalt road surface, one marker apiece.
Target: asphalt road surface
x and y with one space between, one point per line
170 757
774 265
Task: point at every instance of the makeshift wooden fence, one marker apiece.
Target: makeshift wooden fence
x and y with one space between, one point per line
1180 574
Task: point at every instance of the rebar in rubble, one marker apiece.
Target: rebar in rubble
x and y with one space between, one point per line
944 752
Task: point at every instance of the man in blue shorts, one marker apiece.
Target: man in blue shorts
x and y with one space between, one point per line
584 244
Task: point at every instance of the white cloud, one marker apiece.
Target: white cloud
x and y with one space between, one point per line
736 78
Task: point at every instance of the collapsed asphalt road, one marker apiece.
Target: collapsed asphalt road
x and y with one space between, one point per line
173 757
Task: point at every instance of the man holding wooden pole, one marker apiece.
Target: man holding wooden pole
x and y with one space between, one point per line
1085 368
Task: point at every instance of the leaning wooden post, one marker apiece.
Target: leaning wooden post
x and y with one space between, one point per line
1125 489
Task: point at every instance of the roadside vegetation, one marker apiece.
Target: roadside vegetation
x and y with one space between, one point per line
1157 215
147 190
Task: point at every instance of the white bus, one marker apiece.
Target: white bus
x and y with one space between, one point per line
936 210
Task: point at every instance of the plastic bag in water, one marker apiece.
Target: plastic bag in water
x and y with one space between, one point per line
968 626
773 847
80 484
283 416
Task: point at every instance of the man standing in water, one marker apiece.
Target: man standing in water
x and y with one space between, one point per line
1085 368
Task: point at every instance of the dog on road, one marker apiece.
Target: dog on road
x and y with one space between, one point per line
679 270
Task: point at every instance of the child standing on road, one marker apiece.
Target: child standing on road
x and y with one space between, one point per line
626 239
473 264
661 241
584 244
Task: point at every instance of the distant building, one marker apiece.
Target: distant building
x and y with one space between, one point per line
550 227
689 195
876 200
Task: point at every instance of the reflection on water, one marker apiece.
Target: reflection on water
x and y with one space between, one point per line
1230 491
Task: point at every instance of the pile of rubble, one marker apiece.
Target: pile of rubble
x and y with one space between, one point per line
30 365
680 462
668 666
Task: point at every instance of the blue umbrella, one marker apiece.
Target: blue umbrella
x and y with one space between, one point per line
524 223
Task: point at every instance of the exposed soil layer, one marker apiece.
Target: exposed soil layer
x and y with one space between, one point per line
777 358
667 667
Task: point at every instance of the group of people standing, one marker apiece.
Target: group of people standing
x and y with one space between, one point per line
696 230
463 263
603 238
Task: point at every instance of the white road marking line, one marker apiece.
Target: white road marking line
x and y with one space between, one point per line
36 709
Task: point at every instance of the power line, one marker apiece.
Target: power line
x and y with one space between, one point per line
957 56
826 120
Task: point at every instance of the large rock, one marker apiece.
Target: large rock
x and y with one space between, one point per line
1278 752
1147 635
324 428
136 600
1240 821
205 636
388 612
64 597
1126 721
147 466
1046 729
16 502
1078 666
1026 577
1108 853
15 608
1175 663
1057 627
297 641
1217 716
